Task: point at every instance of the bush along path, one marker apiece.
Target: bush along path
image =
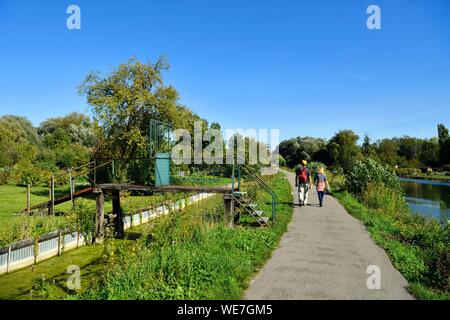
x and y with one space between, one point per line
327 254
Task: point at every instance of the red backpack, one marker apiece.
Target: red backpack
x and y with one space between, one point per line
303 175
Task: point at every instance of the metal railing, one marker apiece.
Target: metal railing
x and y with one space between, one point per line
252 175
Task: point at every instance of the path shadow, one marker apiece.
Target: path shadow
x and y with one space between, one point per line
291 204
131 235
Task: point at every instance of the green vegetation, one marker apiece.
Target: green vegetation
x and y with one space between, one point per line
201 181
342 151
30 155
192 255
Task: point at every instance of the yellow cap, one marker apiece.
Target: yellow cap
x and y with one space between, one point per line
304 162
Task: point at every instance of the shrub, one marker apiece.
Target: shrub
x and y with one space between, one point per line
407 172
369 171
27 173
281 161
314 166
379 196
336 181
82 216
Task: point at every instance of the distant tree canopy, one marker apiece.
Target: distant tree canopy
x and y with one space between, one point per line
302 148
30 154
342 150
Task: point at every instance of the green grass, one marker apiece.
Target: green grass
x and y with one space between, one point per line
201 181
407 257
440 176
13 199
19 284
193 255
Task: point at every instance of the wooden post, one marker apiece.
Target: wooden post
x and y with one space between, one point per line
228 216
36 249
52 195
117 211
28 199
8 259
95 172
59 242
70 185
99 217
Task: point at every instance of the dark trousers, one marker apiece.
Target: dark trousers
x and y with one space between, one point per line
321 194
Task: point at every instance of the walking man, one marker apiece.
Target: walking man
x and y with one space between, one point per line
304 182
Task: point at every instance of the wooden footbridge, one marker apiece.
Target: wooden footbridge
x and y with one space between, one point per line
237 201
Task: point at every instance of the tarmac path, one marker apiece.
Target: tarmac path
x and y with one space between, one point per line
325 254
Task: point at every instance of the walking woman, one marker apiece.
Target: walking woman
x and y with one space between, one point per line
321 183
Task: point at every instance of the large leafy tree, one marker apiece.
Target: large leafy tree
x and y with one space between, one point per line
124 101
302 148
343 149
444 144
388 151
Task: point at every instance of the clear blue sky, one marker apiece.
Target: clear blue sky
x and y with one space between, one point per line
305 67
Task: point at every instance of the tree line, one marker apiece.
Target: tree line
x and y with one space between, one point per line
28 153
342 150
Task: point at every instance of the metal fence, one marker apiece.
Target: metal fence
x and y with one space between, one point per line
28 252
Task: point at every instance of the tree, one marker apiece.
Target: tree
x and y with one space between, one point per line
444 144
368 148
343 149
18 140
388 151
409 147
429 153
79 128
124 101
302 148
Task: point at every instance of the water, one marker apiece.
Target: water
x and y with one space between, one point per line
428 198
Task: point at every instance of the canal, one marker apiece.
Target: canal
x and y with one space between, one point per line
428 198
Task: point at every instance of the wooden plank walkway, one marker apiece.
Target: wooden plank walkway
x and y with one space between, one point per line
168 188
325 255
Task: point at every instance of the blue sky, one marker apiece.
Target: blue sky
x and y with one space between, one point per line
304 67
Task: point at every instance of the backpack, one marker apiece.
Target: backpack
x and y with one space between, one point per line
303 175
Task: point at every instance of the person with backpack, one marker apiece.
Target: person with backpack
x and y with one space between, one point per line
321 183
304 182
